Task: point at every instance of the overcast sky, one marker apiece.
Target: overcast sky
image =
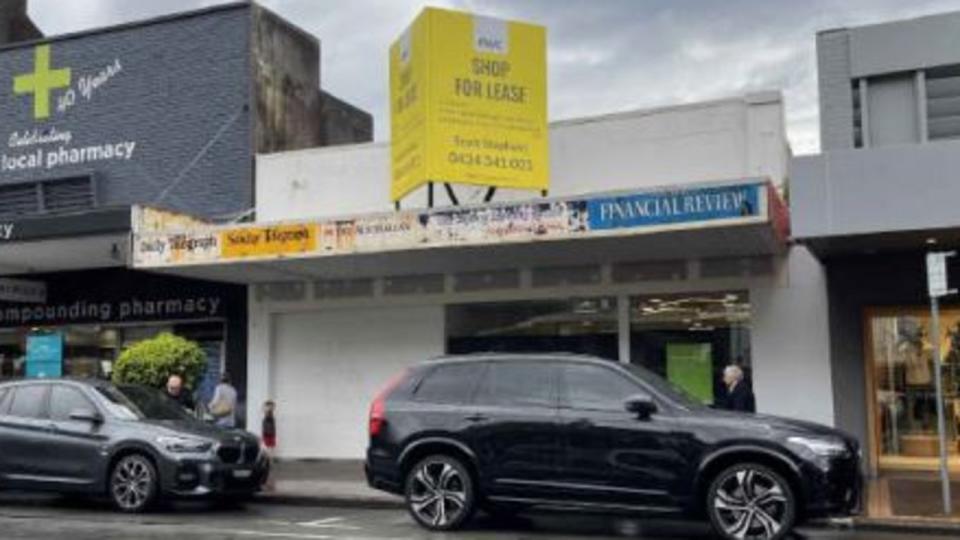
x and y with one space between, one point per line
604 55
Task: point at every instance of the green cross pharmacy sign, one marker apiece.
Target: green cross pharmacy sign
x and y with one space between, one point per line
41 82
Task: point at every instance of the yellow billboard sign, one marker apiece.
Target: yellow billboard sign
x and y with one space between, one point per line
468 103
245 242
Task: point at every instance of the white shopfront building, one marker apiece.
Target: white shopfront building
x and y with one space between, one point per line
663 241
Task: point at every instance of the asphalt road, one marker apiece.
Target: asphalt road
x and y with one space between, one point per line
38 517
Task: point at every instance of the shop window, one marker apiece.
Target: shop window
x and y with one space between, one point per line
690 338
900 356
575 325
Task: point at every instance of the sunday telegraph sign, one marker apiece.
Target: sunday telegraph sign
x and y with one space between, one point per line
625 213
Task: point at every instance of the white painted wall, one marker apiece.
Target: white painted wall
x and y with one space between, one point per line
718 140
328 365
791 341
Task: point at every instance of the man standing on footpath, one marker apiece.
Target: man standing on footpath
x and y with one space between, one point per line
739 396
178 393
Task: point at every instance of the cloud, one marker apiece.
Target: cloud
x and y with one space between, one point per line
604 56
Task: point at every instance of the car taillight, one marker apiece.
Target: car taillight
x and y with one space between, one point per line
378 408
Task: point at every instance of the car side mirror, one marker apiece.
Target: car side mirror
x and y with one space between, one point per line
86 415
640 405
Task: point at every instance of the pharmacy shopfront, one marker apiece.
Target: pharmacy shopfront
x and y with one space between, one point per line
84 319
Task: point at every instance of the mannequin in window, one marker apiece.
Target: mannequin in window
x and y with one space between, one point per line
916 352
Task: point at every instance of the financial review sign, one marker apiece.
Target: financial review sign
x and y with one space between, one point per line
468 103
132 107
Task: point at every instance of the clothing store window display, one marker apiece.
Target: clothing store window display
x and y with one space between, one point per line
900 355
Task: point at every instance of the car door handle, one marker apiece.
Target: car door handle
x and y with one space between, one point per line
476 418
582 423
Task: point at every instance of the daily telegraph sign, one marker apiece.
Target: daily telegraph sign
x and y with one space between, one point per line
538 220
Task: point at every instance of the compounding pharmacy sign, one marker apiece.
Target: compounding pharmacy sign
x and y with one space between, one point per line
128 105
468 103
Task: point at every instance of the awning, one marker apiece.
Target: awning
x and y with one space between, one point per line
91 239
731 219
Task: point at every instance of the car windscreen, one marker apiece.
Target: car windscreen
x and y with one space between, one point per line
665 388
142 403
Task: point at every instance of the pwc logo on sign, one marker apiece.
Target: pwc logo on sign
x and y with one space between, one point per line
490 35
42 82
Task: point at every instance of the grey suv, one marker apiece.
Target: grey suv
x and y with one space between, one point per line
130 443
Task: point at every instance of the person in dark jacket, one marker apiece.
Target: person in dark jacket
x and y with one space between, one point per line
176 391
739 395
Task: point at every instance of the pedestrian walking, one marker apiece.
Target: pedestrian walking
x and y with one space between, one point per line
177 392
738 396
268 433
223 406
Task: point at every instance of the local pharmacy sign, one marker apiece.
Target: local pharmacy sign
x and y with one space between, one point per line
44 92
131 106
468 103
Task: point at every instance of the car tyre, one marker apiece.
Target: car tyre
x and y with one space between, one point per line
133 484
440 493
751 501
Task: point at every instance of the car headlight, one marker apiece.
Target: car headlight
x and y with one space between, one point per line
819 447
184 445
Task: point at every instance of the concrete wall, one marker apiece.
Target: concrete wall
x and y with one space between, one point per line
791 336
342 123
286 79
721 140
905 45
894 188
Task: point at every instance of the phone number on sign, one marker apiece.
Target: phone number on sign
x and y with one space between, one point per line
490 160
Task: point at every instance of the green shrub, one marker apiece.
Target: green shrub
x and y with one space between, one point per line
151 361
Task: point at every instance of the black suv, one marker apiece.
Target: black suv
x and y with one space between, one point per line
130 443
513 432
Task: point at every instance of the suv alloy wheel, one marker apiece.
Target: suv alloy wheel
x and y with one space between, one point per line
133 483
750 501
440 494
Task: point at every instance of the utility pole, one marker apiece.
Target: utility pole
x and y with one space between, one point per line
937 285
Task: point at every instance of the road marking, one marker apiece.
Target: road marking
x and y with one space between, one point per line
329 523
262 534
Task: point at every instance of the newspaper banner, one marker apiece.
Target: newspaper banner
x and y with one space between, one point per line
615 214
247 242
176 248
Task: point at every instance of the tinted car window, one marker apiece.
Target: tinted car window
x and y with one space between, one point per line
65 400
517 383
596 387
452 383
141 403
28 401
